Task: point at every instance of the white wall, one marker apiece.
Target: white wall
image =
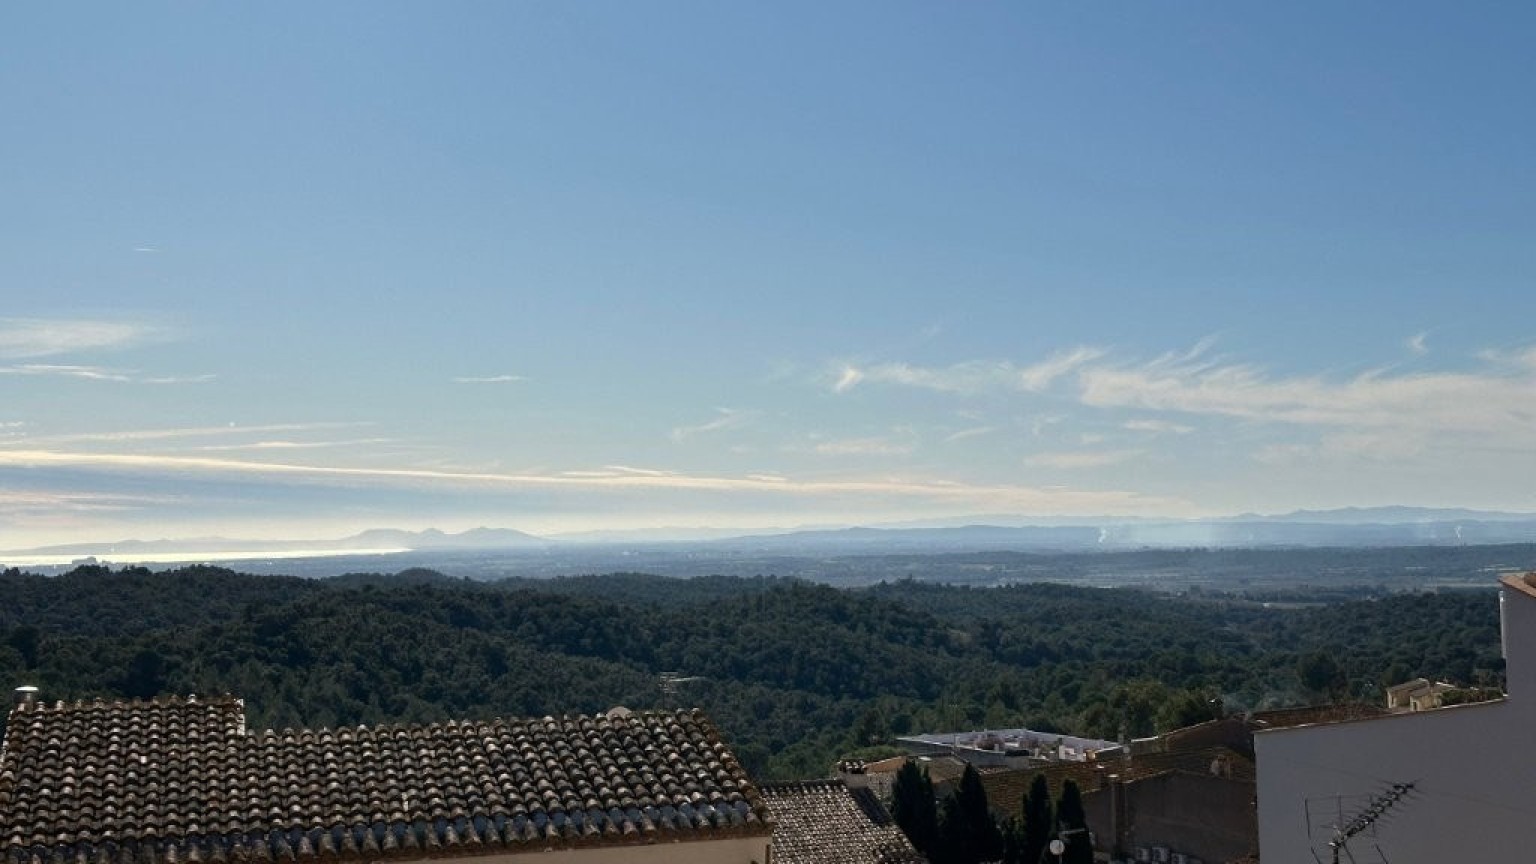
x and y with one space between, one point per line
1473 767
1517 604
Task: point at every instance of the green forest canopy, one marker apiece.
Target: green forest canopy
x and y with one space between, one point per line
794 673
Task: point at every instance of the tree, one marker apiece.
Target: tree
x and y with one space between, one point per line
1013 841
967 832
146 674
1038 825
1188 708
1074 825
1320 673
913 807
26 639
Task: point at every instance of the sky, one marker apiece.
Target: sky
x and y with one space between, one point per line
298 269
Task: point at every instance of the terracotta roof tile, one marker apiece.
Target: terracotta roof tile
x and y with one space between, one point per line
825 822
180 781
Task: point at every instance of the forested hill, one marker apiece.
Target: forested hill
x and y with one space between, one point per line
794 673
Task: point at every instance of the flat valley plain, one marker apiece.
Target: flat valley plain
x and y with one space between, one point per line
1342 571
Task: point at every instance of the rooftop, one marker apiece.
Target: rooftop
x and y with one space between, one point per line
1006 791
177 780
826 822
998 739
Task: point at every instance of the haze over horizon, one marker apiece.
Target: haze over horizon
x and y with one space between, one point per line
298 271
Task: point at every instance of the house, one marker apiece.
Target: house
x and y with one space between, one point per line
837 821
1420 694
1196 802
1186 795
1447 784
176 781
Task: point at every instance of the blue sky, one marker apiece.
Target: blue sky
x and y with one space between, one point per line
295 269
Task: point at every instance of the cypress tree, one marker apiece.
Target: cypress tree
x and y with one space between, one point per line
1039 824
1074 825
978 836
913 806
1013 841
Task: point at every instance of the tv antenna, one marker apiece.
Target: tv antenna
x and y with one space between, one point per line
1375 809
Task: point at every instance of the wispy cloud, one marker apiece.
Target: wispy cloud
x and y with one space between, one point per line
1497 400
1081 459
973 432
489 379
22 503
971 377
725 418
847 379
89 373
128 435
1157 427
291 445
614 472
1417 344
882 490
99 373
29 338
1042 375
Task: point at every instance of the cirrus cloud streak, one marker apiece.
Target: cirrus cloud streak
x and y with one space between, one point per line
1497 400
950 494
970 377
29 338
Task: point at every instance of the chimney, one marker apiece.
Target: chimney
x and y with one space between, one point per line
851 772
25 695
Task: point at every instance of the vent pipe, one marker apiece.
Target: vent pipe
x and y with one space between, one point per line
26 694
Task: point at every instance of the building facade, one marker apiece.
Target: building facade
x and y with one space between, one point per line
1449 784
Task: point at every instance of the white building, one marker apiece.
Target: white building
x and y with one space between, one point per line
1448 784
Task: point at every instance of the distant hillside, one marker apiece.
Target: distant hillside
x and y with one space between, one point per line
373 539
1386 526
1388 516
475 538
1344 528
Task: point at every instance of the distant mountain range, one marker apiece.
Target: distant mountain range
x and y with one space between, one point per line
1348 527
1387 516
1385 526
371 540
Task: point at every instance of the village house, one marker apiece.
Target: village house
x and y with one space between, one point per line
1439 784
1184 797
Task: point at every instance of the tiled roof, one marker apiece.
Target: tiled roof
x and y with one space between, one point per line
177 781
1006 791
1286 717
825 822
